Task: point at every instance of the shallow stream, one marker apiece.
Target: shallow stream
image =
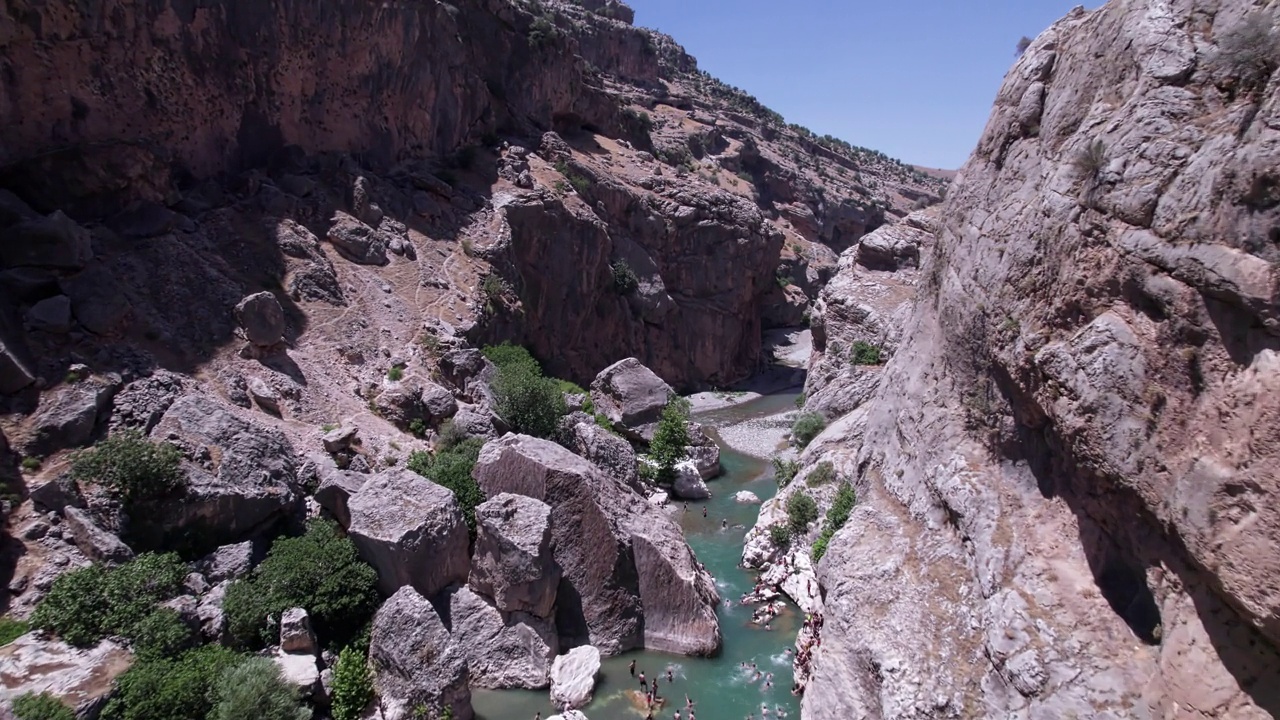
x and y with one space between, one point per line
719 687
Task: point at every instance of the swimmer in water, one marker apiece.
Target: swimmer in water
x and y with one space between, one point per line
632 668
704 512
724 524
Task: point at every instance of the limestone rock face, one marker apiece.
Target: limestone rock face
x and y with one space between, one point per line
296 636
573 677
631 396
1066 482
629 579
605 450
69 416
415 660
358 242
55 241
688 484
81 678
514 563
262 318
96 543
410 530
503 650
243 477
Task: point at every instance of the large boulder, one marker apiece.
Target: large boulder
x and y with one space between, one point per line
262 318
629 580
688 484
415 660
228 562
468 373
80 677
296 636
241 476
632 397
573 677
358 242
55 241
503 650
606 450
96 543
335 487
513 561
438 404
411 531
68 416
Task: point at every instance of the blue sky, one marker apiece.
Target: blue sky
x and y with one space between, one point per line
911 78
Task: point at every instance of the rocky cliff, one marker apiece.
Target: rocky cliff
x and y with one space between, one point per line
674 207
1067 469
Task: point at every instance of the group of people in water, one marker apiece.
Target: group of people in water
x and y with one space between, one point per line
653 700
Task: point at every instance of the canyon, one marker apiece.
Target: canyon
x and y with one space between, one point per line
274 237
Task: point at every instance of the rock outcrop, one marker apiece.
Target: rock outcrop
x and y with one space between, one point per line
415 661
503 649
411 531
240 476
80 678
573 677
514 562
1066 473
629 578
632 397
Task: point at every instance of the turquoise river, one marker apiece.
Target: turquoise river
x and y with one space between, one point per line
719 687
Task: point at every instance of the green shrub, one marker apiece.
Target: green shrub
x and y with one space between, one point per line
823 473
177 689
418 427
670 439
133 468
837 516
572 388
801 511
800 400
450 435
807 427
780 535
30 706
784 471
255 689
11 629
1091 159
783 279
85 605
31 463
1023 43
864 353
625 280
395 373
319 571
162 634
451 468
527 401
352 685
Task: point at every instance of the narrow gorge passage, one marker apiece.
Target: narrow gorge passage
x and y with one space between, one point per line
719 687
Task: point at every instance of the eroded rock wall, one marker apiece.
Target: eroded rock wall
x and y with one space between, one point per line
1067 474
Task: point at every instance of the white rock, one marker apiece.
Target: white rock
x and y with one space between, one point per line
746 497
573 677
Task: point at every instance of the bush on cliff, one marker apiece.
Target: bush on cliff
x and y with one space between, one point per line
319 572
352 684
170 689
671 439
527 401
837 516
451 468
30 706
131 467
254 689
88 604
801 511
784 471
864 353
807 427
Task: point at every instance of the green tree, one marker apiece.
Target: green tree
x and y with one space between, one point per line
131 467
671 438
451 468
255 689
864 353
170 689
161 634
30 706
527 401
319 571
807 427
784 471
801 511
352 685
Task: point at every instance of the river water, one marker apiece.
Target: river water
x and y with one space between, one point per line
719 687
